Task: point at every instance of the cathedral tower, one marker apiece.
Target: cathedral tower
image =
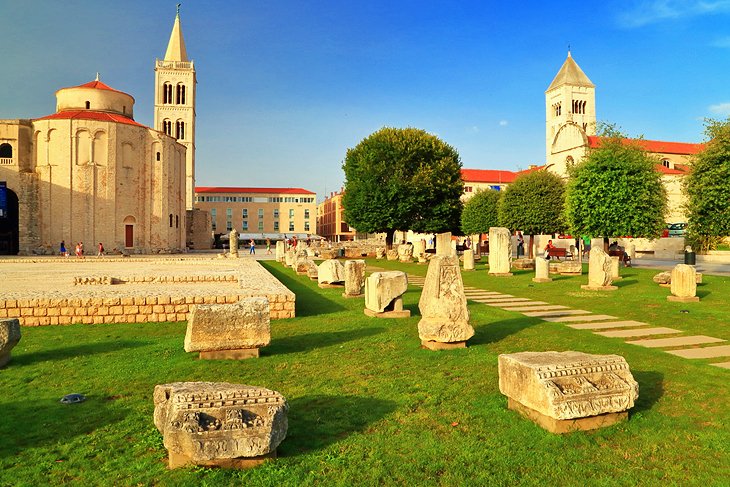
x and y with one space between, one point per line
175 101
570 115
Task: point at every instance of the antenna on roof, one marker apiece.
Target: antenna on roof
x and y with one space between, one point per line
97 76
569 49
178 9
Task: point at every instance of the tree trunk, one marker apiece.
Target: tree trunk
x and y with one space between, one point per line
389 234
532 245
605 244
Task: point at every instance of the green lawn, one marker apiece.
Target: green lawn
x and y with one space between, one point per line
367 405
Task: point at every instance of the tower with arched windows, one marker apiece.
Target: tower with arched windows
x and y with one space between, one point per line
570 116
175 101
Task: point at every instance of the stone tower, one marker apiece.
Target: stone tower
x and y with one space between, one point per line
175 101
570 116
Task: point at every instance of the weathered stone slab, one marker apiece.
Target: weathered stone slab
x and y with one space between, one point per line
561 426
607 325
9 338
548 307
392 254
641 332
382 289
580 318
242 325
542 270
706 352
684 284
354 278
443 243
500 251
302 264
568 385
217 423
600 275
570 268
444 313
543 314
664 277
405 253
312 270
676 342
419 250
331 272
615 268
280 250
289 257
380 253
468 260
523 264
523 303
436 346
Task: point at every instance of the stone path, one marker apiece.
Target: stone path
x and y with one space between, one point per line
604 325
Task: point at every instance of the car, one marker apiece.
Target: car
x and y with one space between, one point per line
677 229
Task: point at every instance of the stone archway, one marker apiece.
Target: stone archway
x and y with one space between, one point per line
9 221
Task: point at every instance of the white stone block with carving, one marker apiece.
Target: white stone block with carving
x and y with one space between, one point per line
405 253
600 275
302 264
542 270
229 331
500 251
444 313
9 338
468 260
564 391
219 424
391 254
383 294
331 272
684 284
354 278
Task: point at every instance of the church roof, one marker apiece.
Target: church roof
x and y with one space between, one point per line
487 176
656 146
91 115
570 74
96 85
222 189
176 47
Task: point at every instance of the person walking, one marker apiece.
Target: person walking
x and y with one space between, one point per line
520 244
62 250
252 247
268 246
100 253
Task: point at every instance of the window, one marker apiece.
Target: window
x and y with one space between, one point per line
557 109
467 189
170 220
291 213
6 150
306 226
179 129
306 214
276 226
167 127
88 105
212 218
261 213
229 226
229 213
291 226
666 163
158 156
176 221
167 94
244 213
244 225
261 225
180 92
496 188
276 213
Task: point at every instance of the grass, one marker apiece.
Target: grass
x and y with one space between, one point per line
367 405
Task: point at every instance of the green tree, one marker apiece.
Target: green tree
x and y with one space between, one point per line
402 179
707 188
480 212
534 204
616 190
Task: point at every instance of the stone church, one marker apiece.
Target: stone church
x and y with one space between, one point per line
90 173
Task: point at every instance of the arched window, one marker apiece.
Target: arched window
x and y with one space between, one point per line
88 105
179 129
177 219
6 150
170 220
167 94
167 127
666 163
180 94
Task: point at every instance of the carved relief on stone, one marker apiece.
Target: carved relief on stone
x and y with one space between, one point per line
205 423
500 251
392 254
600 275
9 338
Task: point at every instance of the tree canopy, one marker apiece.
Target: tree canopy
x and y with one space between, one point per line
402 179
534 203
616 191
708 189
480 212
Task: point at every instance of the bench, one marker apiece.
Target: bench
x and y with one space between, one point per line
558 252
621 255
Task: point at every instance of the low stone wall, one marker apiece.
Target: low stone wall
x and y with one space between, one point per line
109 280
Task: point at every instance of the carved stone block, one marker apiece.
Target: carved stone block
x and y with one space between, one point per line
392 254
684 284
568 386
354 278
289 258
600 275
542 270
500 251
9 337
219 424
443 243
383 291
331 272
468 260
570 268
280 250
405 253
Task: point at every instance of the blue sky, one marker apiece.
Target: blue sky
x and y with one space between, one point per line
285 87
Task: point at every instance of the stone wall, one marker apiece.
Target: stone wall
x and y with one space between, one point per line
198 230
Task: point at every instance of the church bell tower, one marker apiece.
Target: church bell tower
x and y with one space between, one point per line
175 101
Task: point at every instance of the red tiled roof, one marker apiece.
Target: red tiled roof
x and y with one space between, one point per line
206 189
96 84
487 176
657 146
677 169
91 115
531 169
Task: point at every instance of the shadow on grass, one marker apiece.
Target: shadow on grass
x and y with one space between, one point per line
38 422
84 350
317 421
308 302
651 388
624 282
311 341
494 332
702 293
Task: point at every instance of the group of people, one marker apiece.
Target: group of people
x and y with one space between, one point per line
79 250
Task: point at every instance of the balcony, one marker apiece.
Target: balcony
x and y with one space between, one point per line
6 161
161 63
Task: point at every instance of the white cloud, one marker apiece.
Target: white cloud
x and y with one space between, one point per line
654 11
720 108
503 123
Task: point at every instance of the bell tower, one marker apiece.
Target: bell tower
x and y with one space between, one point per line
570 112
175 101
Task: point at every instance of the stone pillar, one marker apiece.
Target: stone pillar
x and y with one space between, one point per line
380 253
453 248
443 243
280 250
354 278
684 284
500 251
9 337
468 260
233 243
599 271
419 248
542 270
615 267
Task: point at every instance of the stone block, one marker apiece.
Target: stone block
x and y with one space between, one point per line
468 260
219 424
405 253
600 275
331 272
392 254
570 268
567 386
542 270
684 284
382 289
9 338
354 278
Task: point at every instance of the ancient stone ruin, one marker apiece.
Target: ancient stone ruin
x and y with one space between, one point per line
568 391
542 270
380 253
229 331
468 260
392 254
664 278
443 243
444 315
600 275
217 424
419 250
302 263
684 284
384 294
233 244
615 268
280 250
9 337
500 251
289 257
312 270
570 267
331 273
354 278
405 253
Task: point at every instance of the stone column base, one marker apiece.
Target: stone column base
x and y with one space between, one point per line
332 286
302 273
350 296
406 313
501 274
683 299
433 345
176 460
542 279
560 426
237 354
599 288
570 273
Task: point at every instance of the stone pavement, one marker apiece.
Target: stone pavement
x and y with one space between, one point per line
604 325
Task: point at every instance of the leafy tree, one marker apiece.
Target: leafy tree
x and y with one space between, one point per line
480 212
534 204
615 190
707 187
398 179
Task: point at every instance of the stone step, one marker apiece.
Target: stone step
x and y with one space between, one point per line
529 308
523 303
677 342
724 365
564 312
469 292
641 332
586 318
706 352
607 324
493 296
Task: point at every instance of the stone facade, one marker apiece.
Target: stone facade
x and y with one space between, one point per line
500 251
9 337
562 391
197 229
219 424
600 275
684 284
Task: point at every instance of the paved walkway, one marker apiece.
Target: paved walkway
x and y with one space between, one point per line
636 332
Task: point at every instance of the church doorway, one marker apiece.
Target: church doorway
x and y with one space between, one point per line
129 231
9 219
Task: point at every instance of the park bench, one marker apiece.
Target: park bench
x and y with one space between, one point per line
559 252
620 255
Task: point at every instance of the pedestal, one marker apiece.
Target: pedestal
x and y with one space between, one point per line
599 288
542 279
238 354
406 313
176 460
560 426
332 286
683 299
